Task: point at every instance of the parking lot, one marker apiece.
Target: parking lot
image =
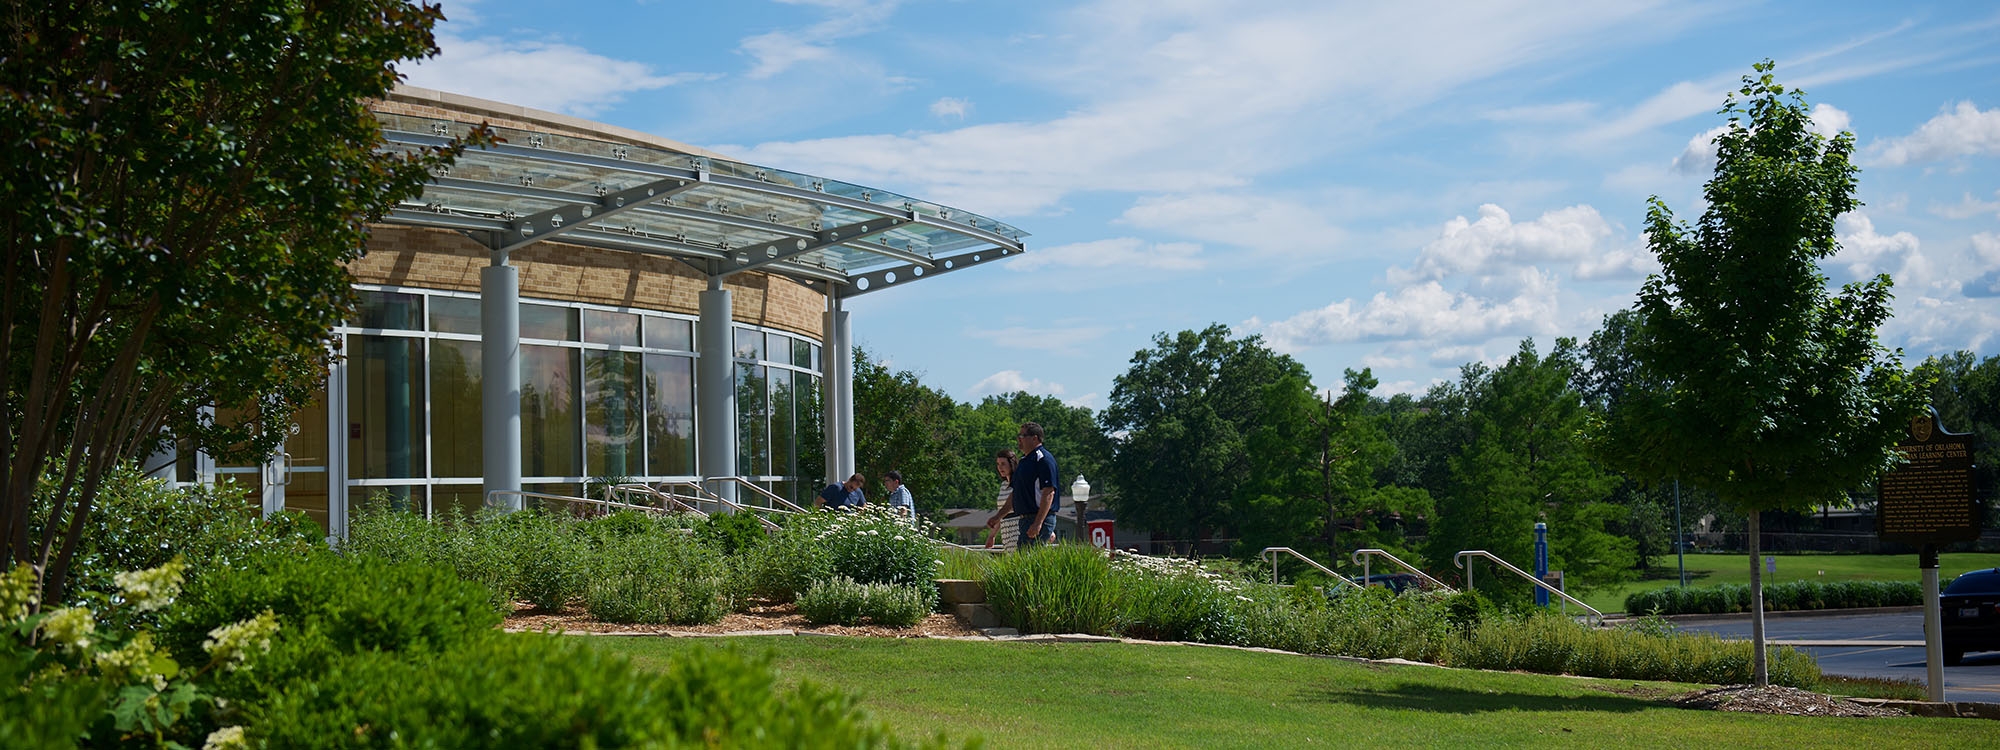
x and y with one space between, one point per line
1977 679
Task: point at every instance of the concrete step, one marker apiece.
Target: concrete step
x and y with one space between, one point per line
978 616
955 591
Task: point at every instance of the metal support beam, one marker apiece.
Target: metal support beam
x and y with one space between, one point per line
829 398
555 221
500 376
843 383
877 280
715 388
758 256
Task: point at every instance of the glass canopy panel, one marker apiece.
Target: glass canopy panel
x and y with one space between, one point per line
516 179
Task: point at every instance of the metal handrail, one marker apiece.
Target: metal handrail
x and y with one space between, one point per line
491 495
647 489
790 507
1459 560
720 501
1361 556
1272 553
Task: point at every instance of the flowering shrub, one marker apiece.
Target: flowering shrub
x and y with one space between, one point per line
1175 599
1063 588
841 601
58 660
664 576
871 545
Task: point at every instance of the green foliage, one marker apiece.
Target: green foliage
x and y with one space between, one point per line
836 601
140 523
186 184
1551 644
963 565
1072 434
903 425
509 691
1186 409
662 577
551 558
841 601
1524 461
872 545
893 606
1170 599
1062 588
732 533
1791 595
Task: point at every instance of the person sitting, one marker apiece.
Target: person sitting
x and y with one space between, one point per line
844 496
900 499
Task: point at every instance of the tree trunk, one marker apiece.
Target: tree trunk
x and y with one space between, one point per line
1760 667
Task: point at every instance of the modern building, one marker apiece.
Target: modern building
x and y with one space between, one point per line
583 302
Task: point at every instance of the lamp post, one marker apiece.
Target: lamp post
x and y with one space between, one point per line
1079 491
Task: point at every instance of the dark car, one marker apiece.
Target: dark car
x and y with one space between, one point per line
1970 608
1397 582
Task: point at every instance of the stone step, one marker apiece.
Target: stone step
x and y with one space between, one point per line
977 616
955 591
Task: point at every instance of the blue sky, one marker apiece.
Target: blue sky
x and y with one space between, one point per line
1402 186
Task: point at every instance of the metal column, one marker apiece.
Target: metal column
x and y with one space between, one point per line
842 380
500 375
715 389
829 394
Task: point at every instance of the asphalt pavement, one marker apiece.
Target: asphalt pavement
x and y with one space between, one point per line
1901 655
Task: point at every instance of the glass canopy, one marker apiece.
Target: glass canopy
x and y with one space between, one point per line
721 216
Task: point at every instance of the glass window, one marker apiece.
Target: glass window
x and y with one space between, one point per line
457 433
781 423
402 497
803 354
385 397
753 438
749 344
395 310
816 358
809 443
614 328
548 322
455 315
549 440
777 347
612 419
452 502
669 415
669 333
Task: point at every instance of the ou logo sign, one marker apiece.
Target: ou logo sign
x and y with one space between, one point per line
1100 535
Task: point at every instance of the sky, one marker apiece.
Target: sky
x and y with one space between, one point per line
1405 187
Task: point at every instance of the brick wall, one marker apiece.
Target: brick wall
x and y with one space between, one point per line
443 259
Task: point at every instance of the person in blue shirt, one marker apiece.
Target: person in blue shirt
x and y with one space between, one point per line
844 496
1036 492
900 499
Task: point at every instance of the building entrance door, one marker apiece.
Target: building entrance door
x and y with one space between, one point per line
295 476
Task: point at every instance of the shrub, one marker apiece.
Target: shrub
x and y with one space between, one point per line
510 691
1792 595
872 545
139 524
732 532
838 601
1063 588
552 559
1558 645
893 606
963 565
1172 599
664 576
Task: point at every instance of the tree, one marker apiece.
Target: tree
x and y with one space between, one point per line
1180 416
184 184
1766 390
1525 462
1072 434
1967 397
903 425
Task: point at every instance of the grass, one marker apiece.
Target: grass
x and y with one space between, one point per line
1708 570
1029 695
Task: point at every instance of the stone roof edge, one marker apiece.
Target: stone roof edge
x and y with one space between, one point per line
477 106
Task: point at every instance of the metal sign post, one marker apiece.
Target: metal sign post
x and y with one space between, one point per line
1541 563
1933 624
1928 501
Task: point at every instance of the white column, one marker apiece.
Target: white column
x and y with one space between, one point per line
829 400
843 368
500 378
715 389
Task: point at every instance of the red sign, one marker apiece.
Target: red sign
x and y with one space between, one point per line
1100 534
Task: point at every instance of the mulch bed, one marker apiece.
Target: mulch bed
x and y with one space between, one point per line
760 618
1777 699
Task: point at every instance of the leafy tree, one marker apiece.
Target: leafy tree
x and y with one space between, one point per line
1180 417
1073 434
184 184
1967 397
1770 393
1314 469
1526 462
903 425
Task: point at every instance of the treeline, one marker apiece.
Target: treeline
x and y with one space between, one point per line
1210 436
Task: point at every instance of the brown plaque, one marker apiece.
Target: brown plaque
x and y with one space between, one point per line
1929 499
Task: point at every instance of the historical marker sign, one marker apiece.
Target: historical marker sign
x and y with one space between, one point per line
1929 499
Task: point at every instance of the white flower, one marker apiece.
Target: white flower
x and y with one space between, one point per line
70 627
17 593
231 644
226 738
132 664
148 590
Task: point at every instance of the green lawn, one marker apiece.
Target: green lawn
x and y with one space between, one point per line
1027 695
1708 570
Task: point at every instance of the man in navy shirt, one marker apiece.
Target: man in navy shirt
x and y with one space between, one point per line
1036 492
844 496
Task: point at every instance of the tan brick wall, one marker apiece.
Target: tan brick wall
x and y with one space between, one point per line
443 259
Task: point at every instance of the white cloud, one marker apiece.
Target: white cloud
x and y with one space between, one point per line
1699 156
774 52
1122 252
1969 207
1270 225
1865 253
1011 381
1559 113
1673 104
1422 311
1958 132
1986 249
1492 249
542 75
1190 97
1828 120
951 107
1061 339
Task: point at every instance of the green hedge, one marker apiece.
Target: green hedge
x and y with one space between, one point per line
1778 597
